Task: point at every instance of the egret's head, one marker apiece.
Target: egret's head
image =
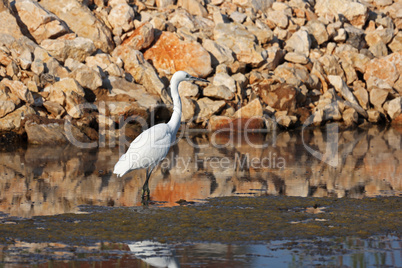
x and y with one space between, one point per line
183 76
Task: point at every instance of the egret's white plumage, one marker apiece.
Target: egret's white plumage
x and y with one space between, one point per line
152 145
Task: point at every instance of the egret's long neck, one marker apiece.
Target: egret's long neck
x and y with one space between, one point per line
174 122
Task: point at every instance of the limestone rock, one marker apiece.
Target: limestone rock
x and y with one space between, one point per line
68 85
299 42
40 23
394 107
378 96
281 97
6 107
252 109
206 108
275 57
78 48
362 97
354 11
194 7
84 75
396 44
342 88
53 67
225 80
9 25
218 92
243 43
105 64
373 116
262 32
285 121
120 86
181 18
357 60
331 66
188 109
141 70
122 16
54 108
188 89
350 117
219 54
141 38
12 121
387 68
238 17
169 54
19 89
355 37
296 58
164 3
82 21
278 18
318 31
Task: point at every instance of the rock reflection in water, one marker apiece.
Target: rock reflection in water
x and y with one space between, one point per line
54 180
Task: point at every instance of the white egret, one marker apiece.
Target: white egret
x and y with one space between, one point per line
152 145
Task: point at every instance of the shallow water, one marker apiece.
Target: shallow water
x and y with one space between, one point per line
377 251
54 180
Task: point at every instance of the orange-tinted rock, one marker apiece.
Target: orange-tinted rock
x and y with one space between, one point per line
169 54
388 68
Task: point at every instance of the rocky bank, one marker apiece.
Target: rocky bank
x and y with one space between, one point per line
97 70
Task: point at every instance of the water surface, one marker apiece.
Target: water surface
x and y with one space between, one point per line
57 179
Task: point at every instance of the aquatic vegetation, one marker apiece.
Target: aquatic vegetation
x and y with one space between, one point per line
225 220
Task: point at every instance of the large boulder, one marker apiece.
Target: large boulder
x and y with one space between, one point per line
82 21
170 54
388 68
40 23
354 11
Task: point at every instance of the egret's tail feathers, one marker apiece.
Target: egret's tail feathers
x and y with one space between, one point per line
122 166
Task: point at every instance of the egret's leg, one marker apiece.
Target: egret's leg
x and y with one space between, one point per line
145 188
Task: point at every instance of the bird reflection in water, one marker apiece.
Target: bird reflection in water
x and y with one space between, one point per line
155 254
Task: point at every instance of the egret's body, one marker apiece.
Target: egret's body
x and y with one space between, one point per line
152 145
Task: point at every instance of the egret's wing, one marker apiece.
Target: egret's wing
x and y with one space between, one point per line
152 137
147 149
